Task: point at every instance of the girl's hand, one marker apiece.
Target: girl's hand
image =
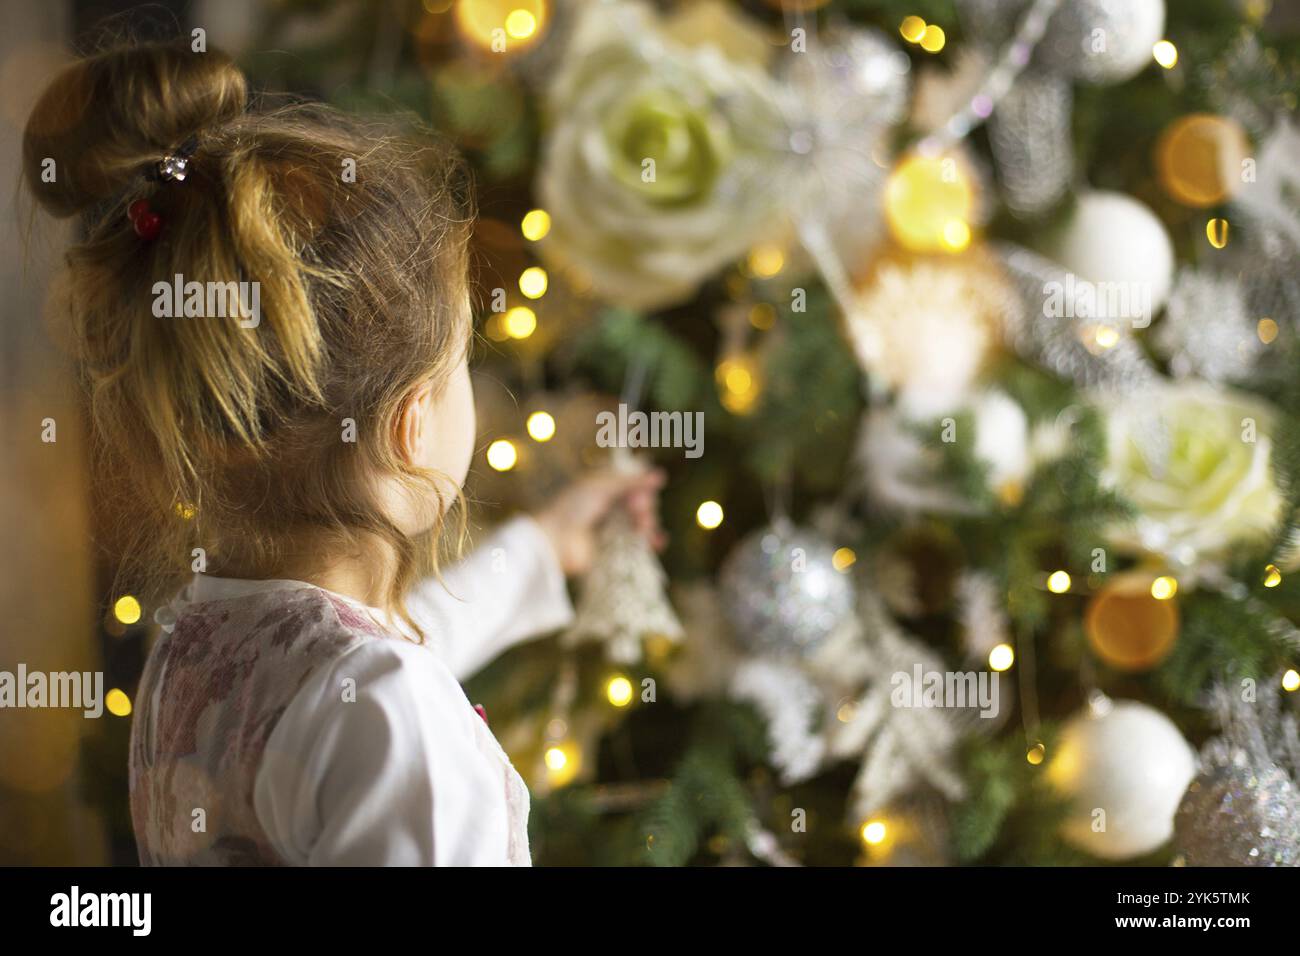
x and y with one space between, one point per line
571 519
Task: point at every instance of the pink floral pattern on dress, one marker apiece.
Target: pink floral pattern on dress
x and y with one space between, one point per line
228 671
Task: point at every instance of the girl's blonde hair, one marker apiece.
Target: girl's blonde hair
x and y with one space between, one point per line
210 433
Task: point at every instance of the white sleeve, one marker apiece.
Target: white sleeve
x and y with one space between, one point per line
509 589
389 775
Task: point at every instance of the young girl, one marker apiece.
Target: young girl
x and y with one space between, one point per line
297 436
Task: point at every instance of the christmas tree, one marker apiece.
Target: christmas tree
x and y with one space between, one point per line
987 313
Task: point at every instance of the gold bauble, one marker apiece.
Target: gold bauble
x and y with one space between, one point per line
1128 628
929 203
1199 158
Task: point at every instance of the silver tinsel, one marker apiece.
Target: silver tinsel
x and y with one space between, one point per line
842 96
1032 142
1207 331
1244 807
1239 816
1060 343
781 593
1127 35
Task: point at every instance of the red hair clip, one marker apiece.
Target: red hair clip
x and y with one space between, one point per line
146 222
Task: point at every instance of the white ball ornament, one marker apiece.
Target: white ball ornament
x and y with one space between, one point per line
1120 258
1103 41
1125 767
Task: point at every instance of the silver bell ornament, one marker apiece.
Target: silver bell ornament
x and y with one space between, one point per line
781 593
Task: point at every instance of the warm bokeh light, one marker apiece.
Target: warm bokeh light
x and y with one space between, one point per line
1002 657
933 39
843 559
533 282
519 322
541 426
1266 330
619 691
1166 54
117 703
1164 587
1216 230
487 23
928 199
127 609
563 761
1272 576
1058 582
520 24
766 261
708 515
912 29
536 224
956 235
501 455
874 832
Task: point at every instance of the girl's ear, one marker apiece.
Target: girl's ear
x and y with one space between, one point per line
411 423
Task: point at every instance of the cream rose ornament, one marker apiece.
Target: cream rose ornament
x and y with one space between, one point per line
659 165
1196 463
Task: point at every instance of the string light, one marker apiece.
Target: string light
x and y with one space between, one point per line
956 235
1266 330
874 832
127 609
1164 587
843 559
1291 681
541 426
117 703
1216 230
1035 754
1272 576
1106 336
501 455
766 260
562 760
737 380
912 29
486 23
1058 582
519 322
536 224
933 39
1002 657
619 691
533 282
520 24
1166 54
708 515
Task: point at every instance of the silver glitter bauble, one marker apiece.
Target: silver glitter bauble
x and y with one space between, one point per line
1102 41
781 592
1239 816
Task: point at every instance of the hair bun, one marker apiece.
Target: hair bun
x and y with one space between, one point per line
105 118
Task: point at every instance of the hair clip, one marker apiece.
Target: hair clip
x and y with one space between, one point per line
146 222
174 166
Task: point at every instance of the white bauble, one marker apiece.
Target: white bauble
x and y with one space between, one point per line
1103 41
1121 247
1130 761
